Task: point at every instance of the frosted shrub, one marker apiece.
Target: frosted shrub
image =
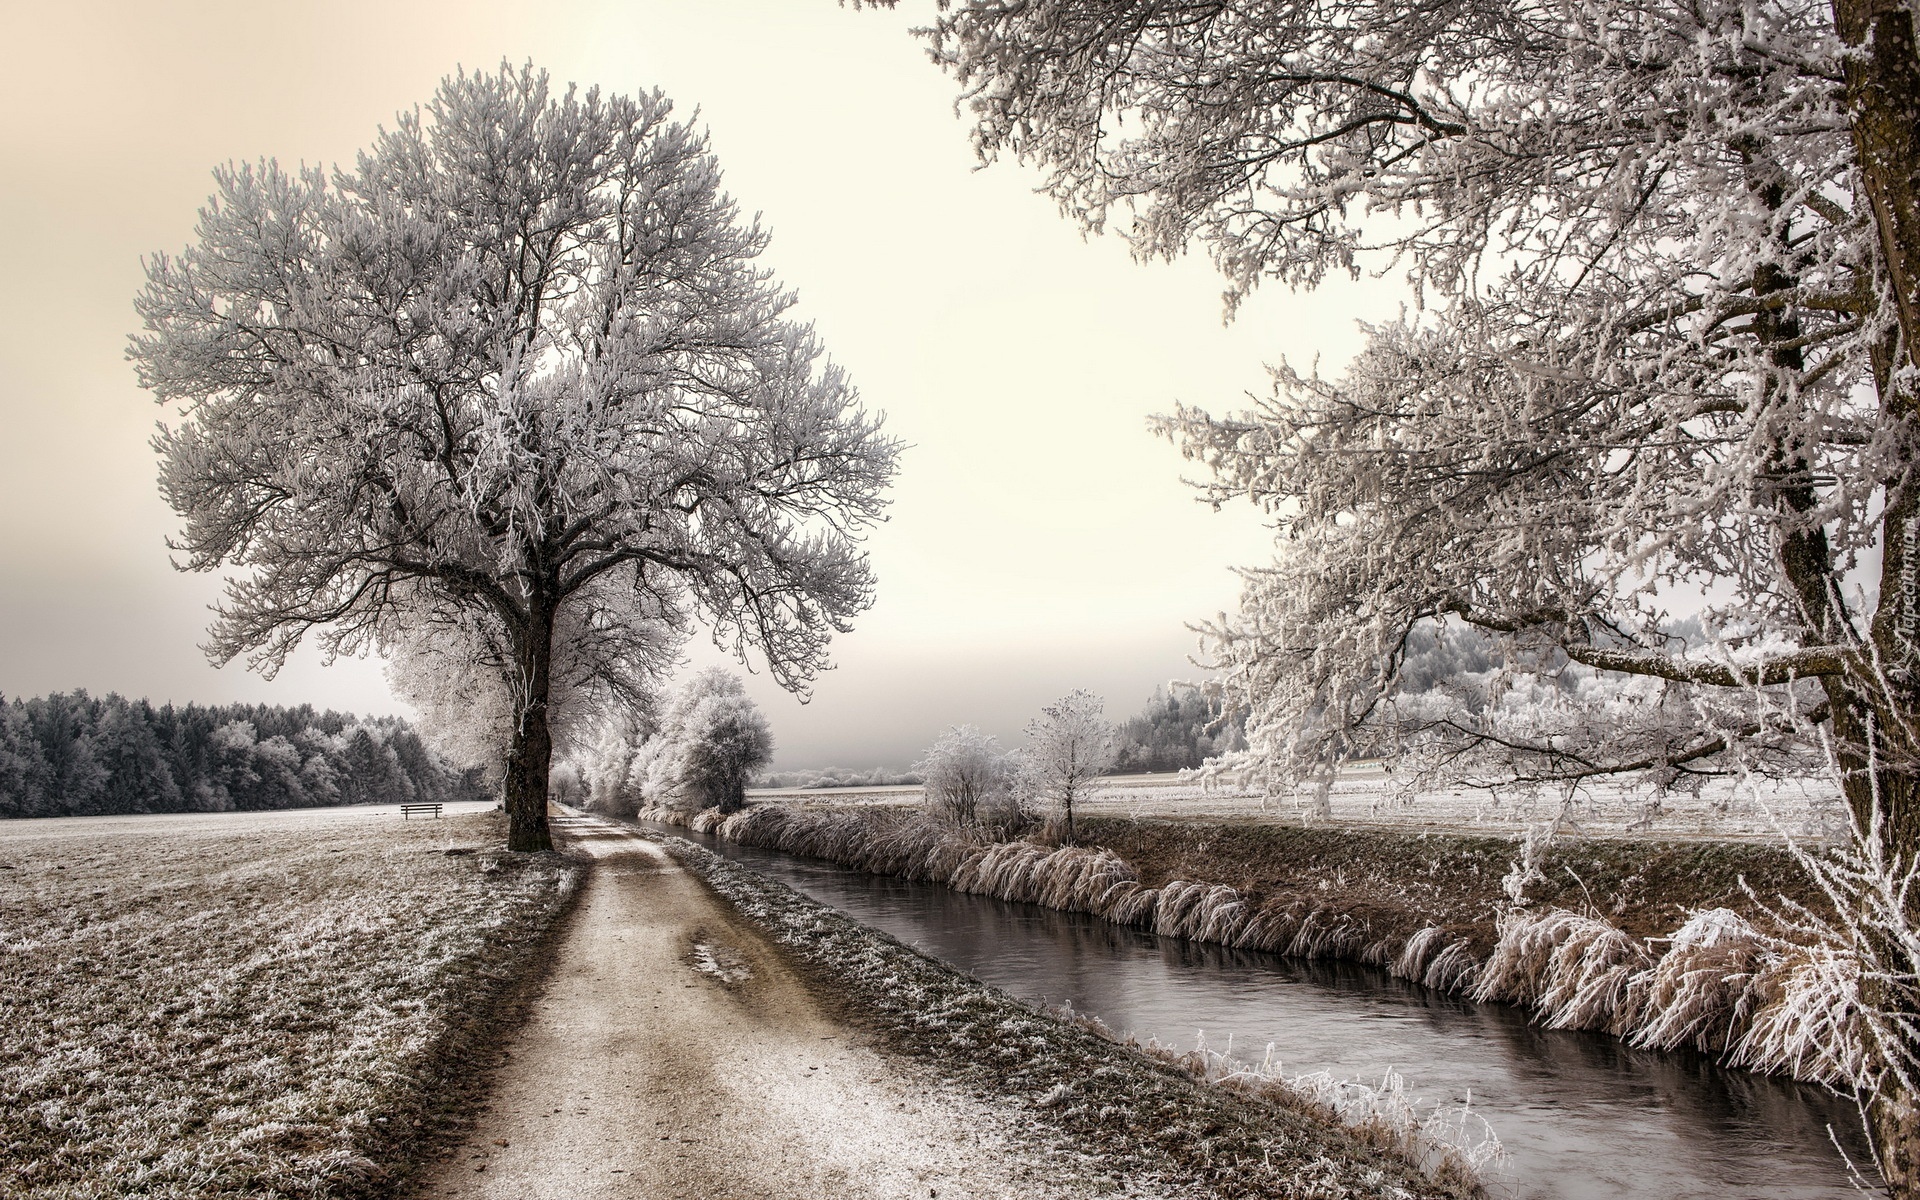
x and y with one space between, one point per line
711 741
967 775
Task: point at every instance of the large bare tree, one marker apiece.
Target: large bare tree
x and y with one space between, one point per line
1667 353
517 373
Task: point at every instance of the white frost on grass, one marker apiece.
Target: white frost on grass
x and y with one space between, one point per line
1722 986
225 1007
1448 1142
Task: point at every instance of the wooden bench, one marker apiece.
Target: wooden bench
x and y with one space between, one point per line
423 808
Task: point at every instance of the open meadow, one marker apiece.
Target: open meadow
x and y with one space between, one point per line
1366 795
259 1004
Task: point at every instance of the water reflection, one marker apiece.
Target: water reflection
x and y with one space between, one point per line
1582 1115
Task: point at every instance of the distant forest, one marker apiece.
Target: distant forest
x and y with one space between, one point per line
70 754
1176 731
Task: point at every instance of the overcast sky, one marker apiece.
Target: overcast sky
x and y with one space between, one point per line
1039 539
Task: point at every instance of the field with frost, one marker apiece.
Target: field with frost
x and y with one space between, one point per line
247 1004
1368 795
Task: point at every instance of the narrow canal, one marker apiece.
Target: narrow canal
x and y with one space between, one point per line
1581 1115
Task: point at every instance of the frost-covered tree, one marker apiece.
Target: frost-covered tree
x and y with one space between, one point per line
1069 746
459 674
520 364
711 740
606 759
1668 353
966 773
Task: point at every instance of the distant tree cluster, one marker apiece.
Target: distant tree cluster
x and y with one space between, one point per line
69 754
1177 731
839 777
700 754
971 781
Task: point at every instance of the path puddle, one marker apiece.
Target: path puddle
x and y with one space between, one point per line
722 962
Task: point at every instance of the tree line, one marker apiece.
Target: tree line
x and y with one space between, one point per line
71 754
1177 731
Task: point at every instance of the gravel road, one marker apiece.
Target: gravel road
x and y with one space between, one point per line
674 1053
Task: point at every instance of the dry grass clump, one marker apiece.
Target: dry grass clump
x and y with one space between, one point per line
1580 972
232 1010
1439 958
1698 994
1722 986
1807 1020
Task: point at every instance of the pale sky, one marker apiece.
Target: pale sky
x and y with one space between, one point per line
1040 540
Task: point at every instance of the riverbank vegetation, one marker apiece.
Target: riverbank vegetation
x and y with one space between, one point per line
202 1009
1714 946
1144 1125
70 754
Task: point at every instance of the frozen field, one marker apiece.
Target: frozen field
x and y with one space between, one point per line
243 1004
1367 795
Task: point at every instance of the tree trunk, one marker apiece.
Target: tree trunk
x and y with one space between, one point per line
1883 107
530 754
1878 761
1874 719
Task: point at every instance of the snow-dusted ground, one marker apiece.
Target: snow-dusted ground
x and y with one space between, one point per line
341 818
1367 795
241 1004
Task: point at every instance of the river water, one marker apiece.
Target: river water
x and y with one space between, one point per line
1581 1115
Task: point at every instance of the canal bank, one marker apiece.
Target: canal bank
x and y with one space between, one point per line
1136 1124
1583 1114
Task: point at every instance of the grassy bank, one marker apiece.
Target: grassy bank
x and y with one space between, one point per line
1146 1126
1663 944
1396 884
231 1006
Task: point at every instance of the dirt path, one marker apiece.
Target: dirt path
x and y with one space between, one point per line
674 1054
